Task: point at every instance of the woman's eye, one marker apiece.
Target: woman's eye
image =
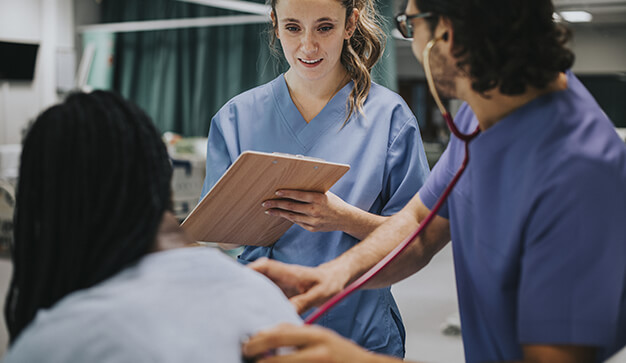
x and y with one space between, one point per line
292 28
325 28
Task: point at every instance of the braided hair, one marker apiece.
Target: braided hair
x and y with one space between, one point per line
94 184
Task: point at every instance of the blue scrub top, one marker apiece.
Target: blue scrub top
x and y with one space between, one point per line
388 166
538 228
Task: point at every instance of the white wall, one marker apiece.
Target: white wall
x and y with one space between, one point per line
408 67
598 50
19 20
51 24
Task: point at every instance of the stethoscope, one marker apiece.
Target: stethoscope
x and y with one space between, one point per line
466 138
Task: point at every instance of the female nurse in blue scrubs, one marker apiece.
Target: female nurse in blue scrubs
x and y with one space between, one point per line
326 106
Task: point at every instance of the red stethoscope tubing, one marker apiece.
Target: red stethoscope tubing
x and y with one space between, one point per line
466 138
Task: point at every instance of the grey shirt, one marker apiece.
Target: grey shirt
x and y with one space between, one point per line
183 305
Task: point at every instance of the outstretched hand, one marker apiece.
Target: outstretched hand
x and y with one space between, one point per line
308 343
305 287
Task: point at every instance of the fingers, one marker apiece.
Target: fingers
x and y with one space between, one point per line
299 219
283 335
281 274
275 205
310 210
299 195
265 341
304 215
283 212
292 279
305 286
264 265
275 271
304 343
315 296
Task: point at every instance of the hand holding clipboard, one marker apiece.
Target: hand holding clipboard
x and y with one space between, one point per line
231 212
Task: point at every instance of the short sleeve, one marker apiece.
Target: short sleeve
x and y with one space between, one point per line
574 259
218 158
449 163
406 168
436 183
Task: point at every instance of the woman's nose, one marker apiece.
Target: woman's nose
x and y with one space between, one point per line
309 43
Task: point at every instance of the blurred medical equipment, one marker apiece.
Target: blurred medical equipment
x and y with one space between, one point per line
187 180
188 157
7 205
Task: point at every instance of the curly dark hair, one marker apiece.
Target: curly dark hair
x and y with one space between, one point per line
505 44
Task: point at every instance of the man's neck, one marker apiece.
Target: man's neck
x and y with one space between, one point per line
496 106
170 235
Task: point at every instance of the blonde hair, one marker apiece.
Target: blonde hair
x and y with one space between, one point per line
360 53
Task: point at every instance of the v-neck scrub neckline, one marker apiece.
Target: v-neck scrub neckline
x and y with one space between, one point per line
307 133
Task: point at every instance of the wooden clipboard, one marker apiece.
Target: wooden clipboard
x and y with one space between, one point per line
231 211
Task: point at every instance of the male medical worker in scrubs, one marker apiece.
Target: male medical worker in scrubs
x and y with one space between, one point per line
326 106
537 220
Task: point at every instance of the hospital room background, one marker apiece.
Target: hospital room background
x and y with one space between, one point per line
181 60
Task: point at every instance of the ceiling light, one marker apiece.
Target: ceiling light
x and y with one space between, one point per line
237 5
576 16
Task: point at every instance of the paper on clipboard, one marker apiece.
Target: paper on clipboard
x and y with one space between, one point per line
231 211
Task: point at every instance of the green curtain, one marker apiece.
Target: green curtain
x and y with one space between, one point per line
386 71
182 77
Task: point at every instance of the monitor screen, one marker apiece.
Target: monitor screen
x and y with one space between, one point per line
17 61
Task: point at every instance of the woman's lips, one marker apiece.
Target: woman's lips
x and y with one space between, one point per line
310 63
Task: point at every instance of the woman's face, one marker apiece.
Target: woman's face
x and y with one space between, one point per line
312 34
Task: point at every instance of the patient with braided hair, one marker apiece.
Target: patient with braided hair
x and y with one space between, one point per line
102 271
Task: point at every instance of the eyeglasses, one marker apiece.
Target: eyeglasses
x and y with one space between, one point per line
404 24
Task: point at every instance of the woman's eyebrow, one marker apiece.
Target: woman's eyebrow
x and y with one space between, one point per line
289 20
320 20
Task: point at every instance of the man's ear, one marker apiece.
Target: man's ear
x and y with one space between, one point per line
351 23
444 30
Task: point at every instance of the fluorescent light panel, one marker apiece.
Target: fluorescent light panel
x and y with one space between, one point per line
576 16
148 25
237 5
